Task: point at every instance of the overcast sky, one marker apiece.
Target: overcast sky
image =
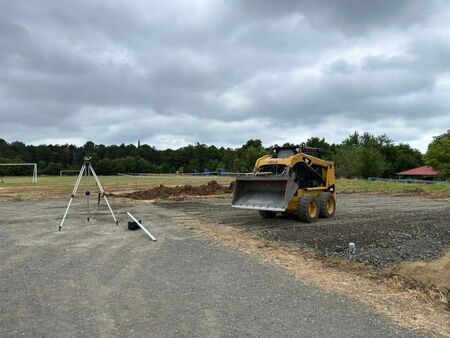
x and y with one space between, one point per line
221 72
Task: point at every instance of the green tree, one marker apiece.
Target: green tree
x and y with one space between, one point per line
104 167
325 148
253 144
370 162
248 154
438 155
346 161
53 168
401 157
352 140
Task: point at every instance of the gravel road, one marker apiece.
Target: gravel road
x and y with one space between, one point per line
96 279
386 229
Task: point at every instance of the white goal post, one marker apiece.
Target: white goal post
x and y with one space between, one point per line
34 179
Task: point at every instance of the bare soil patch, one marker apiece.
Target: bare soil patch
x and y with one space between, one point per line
165 192
435 272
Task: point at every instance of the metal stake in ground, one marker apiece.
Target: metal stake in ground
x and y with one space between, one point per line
87 166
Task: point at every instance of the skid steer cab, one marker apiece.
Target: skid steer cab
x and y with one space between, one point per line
292 180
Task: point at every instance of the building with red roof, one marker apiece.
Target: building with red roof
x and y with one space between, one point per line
425 172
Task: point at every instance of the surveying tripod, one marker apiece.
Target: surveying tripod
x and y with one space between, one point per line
87 169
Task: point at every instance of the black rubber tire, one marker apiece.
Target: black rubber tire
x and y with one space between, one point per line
323 199
267 213
303 211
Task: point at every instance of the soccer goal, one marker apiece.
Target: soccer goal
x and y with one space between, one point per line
68 172
34 165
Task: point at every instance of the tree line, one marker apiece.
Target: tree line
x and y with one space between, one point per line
359 155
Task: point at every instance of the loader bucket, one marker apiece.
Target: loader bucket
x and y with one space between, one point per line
271 193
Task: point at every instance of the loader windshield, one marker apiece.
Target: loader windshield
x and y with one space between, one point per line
273 169
285 153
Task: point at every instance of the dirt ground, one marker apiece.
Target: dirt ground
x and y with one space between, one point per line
395 235
435 272
162 191
96 279
387 230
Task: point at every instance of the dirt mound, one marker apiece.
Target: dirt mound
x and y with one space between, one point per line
164 192
435 273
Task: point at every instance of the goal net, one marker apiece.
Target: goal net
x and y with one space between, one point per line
34 165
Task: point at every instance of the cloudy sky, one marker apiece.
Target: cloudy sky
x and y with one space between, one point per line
223 71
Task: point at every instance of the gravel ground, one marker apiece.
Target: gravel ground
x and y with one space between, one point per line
96 279
386 229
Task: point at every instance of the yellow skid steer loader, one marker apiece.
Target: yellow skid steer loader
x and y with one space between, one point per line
293 180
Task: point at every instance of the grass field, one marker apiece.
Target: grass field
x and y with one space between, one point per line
356 185
56 185
110 181
22 187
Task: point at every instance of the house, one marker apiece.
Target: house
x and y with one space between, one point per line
424 173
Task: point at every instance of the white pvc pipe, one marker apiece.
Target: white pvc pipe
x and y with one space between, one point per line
142 227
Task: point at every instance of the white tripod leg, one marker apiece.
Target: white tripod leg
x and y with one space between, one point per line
102 191
88 194
74 191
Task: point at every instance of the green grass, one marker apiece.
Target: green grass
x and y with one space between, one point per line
48 185
112 181
357 185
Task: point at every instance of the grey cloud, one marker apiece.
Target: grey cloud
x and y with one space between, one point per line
352 17
220 71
